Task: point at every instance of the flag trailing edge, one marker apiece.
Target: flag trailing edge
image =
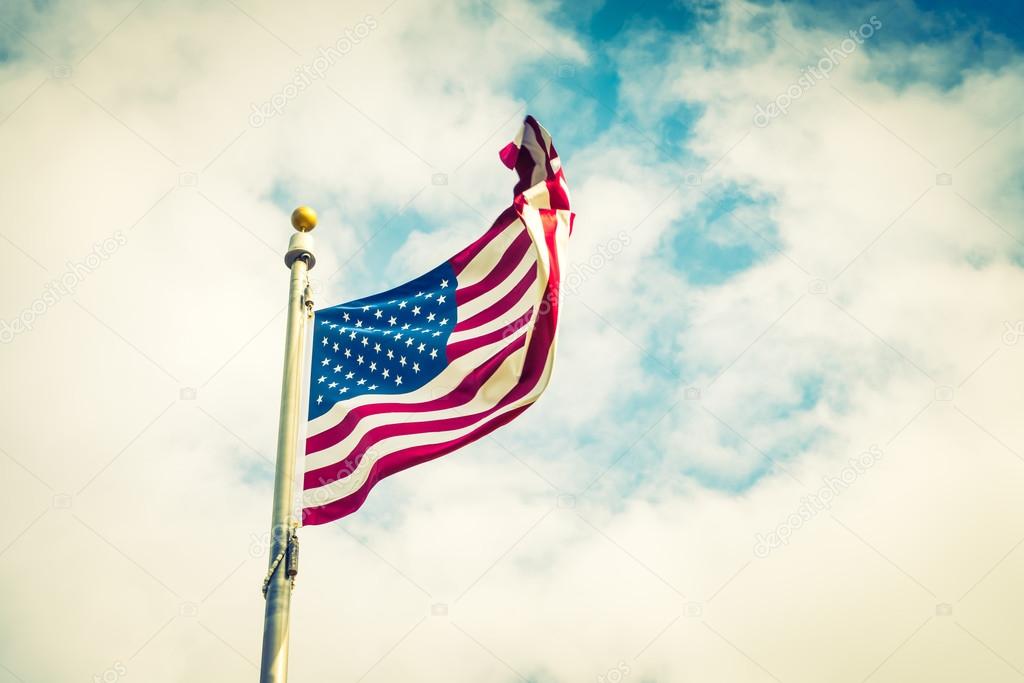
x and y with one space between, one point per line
416 372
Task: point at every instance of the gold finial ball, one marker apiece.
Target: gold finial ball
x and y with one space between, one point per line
303 219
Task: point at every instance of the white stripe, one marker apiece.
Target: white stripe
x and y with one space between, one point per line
491 296
484 262
516 311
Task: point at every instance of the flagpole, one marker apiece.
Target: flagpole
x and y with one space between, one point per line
277 587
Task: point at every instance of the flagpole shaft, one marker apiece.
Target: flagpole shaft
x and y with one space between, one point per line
274 664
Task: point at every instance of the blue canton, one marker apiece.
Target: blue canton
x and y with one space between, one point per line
389 343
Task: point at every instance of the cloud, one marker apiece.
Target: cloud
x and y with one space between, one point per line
756 305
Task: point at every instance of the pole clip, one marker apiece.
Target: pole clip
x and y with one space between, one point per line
290 556
307 299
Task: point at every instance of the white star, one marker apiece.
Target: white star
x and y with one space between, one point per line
334 326
378 314
441 299
436 334
392 321
430 295
408 341
402 304
344 316
359 359
324 342
415 367
365 342
391 354
444 284
415 310
373 367
335 347
385 373
359 323
366 308
401 361
405 326
332 385
325 361
376 347
398 336
421 347
372 387
348 354
353 335
342 390
319 400
350 375
444 321
323 378
337 368
361 382
433 353
419 293
430 317
398 380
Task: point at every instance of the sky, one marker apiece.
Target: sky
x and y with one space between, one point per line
782 439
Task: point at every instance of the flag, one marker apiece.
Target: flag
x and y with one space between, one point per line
411 374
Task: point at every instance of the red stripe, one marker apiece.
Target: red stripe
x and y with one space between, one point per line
549 219
508 262
396 462
558 197
460 349
462 259
508 155
461 394
502 305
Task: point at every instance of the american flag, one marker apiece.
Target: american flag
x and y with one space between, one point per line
411 374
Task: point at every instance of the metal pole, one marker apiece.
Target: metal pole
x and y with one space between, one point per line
278 586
